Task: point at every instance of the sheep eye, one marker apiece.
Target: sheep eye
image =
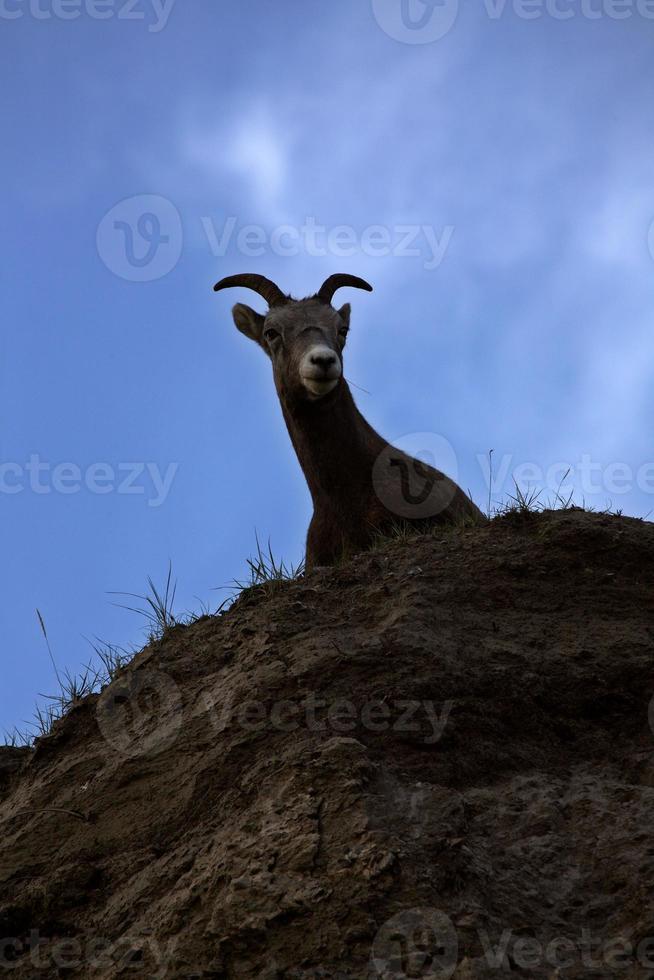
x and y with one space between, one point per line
271 335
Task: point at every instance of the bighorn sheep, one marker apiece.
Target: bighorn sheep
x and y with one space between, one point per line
360 485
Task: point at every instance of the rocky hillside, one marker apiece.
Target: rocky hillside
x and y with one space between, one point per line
433 761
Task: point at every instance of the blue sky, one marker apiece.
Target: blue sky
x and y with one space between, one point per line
509 149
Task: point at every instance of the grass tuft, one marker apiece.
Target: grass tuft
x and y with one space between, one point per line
72 689
112 658
266 572
158 607
108 660
526 502
15 739
521 503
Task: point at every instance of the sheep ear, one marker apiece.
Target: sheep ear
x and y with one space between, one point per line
249 322
344 314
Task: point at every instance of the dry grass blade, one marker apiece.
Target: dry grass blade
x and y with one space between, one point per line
158 608
113 658
266 571
47 643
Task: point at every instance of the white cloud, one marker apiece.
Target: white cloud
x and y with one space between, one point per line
617 233
250 151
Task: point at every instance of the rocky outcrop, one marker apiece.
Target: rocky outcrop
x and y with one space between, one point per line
433 761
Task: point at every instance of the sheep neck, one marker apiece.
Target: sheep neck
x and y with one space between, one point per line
334 444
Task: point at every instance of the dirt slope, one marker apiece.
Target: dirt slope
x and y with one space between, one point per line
433 761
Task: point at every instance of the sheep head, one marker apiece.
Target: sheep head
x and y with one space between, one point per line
304 338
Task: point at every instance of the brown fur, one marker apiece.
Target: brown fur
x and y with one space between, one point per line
358 483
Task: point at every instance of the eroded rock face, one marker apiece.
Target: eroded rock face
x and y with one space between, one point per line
434 761
12 760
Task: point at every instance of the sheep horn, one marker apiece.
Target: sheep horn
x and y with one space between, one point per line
329 287
265 287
